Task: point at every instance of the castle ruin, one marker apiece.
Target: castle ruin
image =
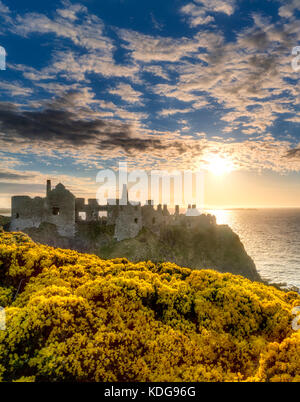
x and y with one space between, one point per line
62 209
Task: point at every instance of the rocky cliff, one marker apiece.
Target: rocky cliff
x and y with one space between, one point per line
212 247
216 247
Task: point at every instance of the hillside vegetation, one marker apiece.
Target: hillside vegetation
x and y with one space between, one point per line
76 317
4 220
213 246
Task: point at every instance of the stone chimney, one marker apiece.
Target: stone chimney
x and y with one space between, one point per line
48 187
124 199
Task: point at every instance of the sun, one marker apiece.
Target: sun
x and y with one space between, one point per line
219 166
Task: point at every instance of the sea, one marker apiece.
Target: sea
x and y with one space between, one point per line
271 237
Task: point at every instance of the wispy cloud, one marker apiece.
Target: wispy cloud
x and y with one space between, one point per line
169 112
95 50
147 48
59 127
127 93
104 91
4 9
200 11
289 7
15 89
293 153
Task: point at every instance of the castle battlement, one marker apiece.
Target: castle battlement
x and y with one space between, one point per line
61 208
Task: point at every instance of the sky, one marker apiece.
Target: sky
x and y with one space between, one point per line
163 85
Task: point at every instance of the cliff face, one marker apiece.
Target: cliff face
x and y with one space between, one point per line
4 221
211 247
216 247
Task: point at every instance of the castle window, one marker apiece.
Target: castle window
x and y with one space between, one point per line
153 221
136 220
17 215
82 216
55 211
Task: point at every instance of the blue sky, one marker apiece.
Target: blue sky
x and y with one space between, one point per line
165 85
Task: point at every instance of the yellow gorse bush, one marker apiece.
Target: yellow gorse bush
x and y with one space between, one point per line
75 317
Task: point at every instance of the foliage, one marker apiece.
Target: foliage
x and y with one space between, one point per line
75 317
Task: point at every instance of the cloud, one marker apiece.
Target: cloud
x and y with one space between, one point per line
155 70
5 16
289 8
156 24
4 9
9 175
218 6
71 11
127 93
294 119
88 34
19 189
199 13
55 124
293 153
246 84
15 89
248 79
74 66
69 128
84 140
92 52
147 48
169 112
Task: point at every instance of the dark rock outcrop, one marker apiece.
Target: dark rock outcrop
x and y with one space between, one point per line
217 247
208 247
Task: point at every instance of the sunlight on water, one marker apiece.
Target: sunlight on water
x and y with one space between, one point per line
223 216
271 237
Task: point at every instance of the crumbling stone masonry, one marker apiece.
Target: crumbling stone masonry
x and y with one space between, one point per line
62 209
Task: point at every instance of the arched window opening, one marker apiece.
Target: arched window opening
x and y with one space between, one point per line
55 211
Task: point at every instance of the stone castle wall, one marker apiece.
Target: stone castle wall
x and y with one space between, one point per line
57 208
62 209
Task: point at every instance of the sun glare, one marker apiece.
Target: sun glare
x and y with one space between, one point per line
219 166
223 217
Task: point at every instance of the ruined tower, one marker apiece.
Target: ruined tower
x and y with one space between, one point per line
48 189
57 208
60 205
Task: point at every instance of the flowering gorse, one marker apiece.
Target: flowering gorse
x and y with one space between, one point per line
76 317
